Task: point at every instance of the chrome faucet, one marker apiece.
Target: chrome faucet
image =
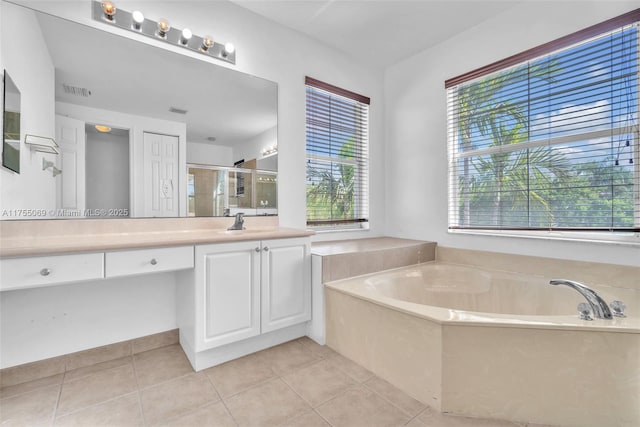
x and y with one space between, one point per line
239 224
598 306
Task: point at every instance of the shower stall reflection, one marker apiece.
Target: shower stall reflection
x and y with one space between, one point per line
225 191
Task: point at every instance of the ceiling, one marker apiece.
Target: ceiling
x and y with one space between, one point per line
378 32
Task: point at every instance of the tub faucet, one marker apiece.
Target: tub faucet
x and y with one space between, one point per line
598 306
239 224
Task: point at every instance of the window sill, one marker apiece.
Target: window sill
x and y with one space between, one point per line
327 230
623 239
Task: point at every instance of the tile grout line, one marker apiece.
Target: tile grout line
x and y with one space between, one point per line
390 402
221 398
138 390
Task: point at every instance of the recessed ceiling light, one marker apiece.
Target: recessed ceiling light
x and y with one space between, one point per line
102 128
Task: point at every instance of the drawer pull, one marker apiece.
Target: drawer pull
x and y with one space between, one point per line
257 249
266 249
154 261
45 272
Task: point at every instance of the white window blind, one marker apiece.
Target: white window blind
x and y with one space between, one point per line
550 143
337 156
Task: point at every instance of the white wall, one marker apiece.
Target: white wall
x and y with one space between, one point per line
276 53
27 60
45 322
209 154
107 176
252 148
416 133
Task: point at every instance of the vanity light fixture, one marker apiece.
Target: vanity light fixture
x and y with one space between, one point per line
103 128
229 48
207 42
267 151
163 28
185 36
109 9
138 19
105 11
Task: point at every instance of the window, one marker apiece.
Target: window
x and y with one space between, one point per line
337 157
548 139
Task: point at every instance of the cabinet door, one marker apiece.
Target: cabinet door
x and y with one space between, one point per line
230 291
286 283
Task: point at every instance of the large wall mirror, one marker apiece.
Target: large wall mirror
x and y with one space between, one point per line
140 131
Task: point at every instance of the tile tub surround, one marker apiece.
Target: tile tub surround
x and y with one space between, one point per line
26 238
82 362
316 388
501 366
589 273
349 258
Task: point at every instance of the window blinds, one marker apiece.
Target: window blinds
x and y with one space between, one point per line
337 156
550 143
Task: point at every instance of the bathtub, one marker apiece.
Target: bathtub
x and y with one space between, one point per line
489 343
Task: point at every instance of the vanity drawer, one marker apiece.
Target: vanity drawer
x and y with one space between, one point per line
126 263
18 273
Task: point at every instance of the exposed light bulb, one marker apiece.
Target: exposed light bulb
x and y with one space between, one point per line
163 28
207 42
138 19
109 9
229 48
185 36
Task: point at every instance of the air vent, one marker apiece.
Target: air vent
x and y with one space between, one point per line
76 91
177 110
211 138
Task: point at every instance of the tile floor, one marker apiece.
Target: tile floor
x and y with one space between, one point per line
298 383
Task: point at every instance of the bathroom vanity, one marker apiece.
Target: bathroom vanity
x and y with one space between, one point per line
236 292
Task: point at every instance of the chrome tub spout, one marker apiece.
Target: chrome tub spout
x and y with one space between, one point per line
598 305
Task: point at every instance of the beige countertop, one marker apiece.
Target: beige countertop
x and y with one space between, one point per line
43 239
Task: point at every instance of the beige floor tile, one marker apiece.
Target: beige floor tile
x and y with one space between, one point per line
177 397
98 355
433 418
316 349
396 396
31 408
287 357
96 388
162 364
239 374
310 419
214 415
151 342
359 406
92 369
350 368
32 371
268 404
14 390
318 383
122 412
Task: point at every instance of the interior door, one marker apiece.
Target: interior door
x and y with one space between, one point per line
161 189
71 183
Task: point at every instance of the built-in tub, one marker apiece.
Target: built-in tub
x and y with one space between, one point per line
494 344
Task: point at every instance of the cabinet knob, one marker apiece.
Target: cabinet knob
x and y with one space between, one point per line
154 261
266 249
257 249
45 272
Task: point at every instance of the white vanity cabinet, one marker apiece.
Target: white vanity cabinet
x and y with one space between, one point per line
242 297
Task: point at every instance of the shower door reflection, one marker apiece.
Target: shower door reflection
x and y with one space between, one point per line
224 191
